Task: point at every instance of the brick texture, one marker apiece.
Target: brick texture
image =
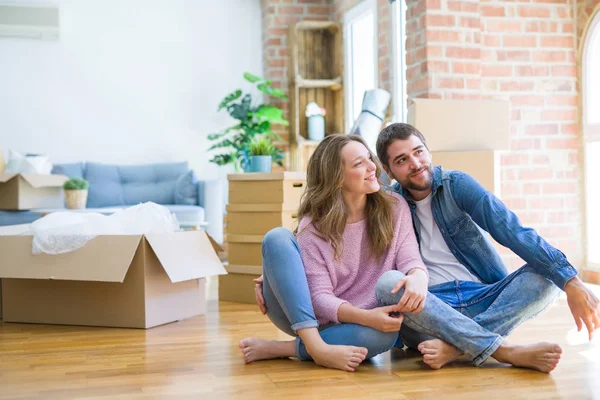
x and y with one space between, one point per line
522 51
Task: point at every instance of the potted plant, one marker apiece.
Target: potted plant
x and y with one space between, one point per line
262 154
76 193
252 120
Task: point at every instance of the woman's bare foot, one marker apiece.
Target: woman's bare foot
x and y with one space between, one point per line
258 349
346 358
437 353
541 356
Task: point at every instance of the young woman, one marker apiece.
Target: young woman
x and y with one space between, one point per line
324 285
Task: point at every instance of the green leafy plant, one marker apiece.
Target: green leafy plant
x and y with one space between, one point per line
263 146
253 120
76 184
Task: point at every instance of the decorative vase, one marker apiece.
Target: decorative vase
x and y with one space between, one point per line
316 127
76 199
260 163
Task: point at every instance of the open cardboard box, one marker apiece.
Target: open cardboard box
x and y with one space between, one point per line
130 281
27 191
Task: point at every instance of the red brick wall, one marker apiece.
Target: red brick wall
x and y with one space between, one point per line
521 51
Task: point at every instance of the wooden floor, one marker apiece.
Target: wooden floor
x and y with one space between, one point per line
199 359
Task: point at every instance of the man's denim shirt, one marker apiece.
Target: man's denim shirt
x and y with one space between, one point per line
461 206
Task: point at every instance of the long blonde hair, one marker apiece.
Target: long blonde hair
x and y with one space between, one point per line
322 199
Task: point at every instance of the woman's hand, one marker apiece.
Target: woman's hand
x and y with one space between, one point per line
379 318
415 291
258 293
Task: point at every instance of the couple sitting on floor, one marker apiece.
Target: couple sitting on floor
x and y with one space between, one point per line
369 269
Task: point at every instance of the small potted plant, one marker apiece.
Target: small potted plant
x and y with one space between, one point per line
262 154
76 192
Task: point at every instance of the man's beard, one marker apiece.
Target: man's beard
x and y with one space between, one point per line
410 185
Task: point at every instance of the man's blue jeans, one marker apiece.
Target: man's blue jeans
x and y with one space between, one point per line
499 307
289 307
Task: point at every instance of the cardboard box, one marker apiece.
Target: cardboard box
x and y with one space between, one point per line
129 281
462 125
245 249
27 191
258 219
483 166
273 188
238 285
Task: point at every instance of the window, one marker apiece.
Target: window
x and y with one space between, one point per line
360 49
591 138
399 95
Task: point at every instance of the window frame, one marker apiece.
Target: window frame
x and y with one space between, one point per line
399 84
350 16
590 131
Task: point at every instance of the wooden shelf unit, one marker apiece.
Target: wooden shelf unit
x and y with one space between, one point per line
315 75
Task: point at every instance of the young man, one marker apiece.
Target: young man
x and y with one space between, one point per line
449 210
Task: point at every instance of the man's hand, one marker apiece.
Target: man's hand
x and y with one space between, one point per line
584 306
379 318
415 291
260 300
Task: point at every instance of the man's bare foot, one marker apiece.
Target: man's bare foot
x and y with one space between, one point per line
346 358
258 349
437 353
541 356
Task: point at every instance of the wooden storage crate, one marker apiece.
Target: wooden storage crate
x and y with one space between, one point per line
315 74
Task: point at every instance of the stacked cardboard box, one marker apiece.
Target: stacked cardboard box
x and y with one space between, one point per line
257 203
465 135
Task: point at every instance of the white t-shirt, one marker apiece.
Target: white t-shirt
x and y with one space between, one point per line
440 262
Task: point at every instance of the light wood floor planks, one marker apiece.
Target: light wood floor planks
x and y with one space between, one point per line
199 359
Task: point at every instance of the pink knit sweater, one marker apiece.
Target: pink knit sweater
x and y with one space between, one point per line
353 278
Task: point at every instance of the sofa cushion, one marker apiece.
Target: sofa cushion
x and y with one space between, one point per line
105 188
74 170
117 185
186 189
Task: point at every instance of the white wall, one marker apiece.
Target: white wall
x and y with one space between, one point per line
129 81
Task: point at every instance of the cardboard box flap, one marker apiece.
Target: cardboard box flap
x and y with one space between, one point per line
105 258
186 255
6 177
39 181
